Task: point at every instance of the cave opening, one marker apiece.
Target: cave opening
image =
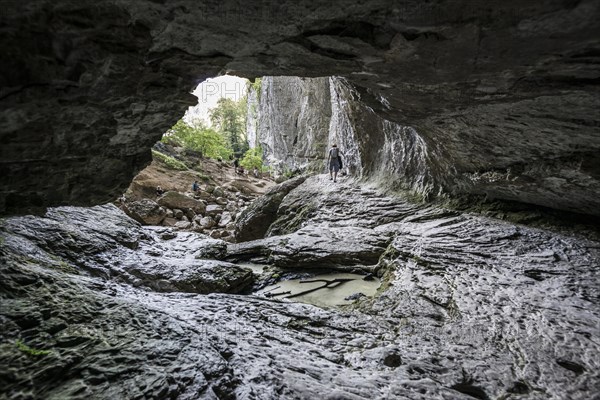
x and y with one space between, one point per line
237 142
458 122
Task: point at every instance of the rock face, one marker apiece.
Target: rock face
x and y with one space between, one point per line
294 122
503 100
102 241
255 220
315 247
472 307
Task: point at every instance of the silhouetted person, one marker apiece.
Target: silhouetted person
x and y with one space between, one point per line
334 162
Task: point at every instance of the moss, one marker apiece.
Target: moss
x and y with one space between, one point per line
66 267
169 161
30 350
61 265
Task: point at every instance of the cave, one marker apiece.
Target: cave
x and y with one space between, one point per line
471 136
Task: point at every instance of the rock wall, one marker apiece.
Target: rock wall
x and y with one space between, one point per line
294 121
503 99
393 155
294 124
253 116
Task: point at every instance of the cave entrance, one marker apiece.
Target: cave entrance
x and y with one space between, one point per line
206 168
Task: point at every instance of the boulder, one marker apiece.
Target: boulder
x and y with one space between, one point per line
316 247
183 224
221 201
211 249
177 213
231 206
226 219
146 211
213 209
218 192
170 221
190 214
206 222
176 200
203 195
256 219
198 276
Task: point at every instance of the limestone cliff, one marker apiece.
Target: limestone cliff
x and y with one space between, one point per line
253 116
301 118
294 121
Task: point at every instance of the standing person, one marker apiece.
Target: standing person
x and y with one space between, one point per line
195 186
333 160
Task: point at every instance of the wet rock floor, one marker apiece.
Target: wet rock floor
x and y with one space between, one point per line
95 306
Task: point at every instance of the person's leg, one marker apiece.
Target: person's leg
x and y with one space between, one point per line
336 168
330 170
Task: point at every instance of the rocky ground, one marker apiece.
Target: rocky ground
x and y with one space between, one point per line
94 305
212 209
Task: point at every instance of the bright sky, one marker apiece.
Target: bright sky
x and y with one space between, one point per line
211 90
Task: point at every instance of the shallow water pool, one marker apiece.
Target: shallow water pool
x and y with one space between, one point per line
334 294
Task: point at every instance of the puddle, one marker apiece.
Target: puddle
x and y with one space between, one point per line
333 295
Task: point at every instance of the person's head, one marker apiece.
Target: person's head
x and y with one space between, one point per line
334 145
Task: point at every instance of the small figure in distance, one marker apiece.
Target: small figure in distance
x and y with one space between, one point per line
236 163
255 172
159 191
195 186
333 160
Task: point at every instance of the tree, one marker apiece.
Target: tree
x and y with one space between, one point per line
229 118
252 159
200 138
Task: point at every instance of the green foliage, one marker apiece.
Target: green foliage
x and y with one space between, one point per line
199 137
229 118
252 159
169 161
31 351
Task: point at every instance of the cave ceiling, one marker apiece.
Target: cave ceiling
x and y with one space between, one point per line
507 94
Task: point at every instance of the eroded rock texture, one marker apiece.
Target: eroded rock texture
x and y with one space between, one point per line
99 241
293 128
503 99
473 308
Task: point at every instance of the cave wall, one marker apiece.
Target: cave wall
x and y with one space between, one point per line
294 122
503 99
